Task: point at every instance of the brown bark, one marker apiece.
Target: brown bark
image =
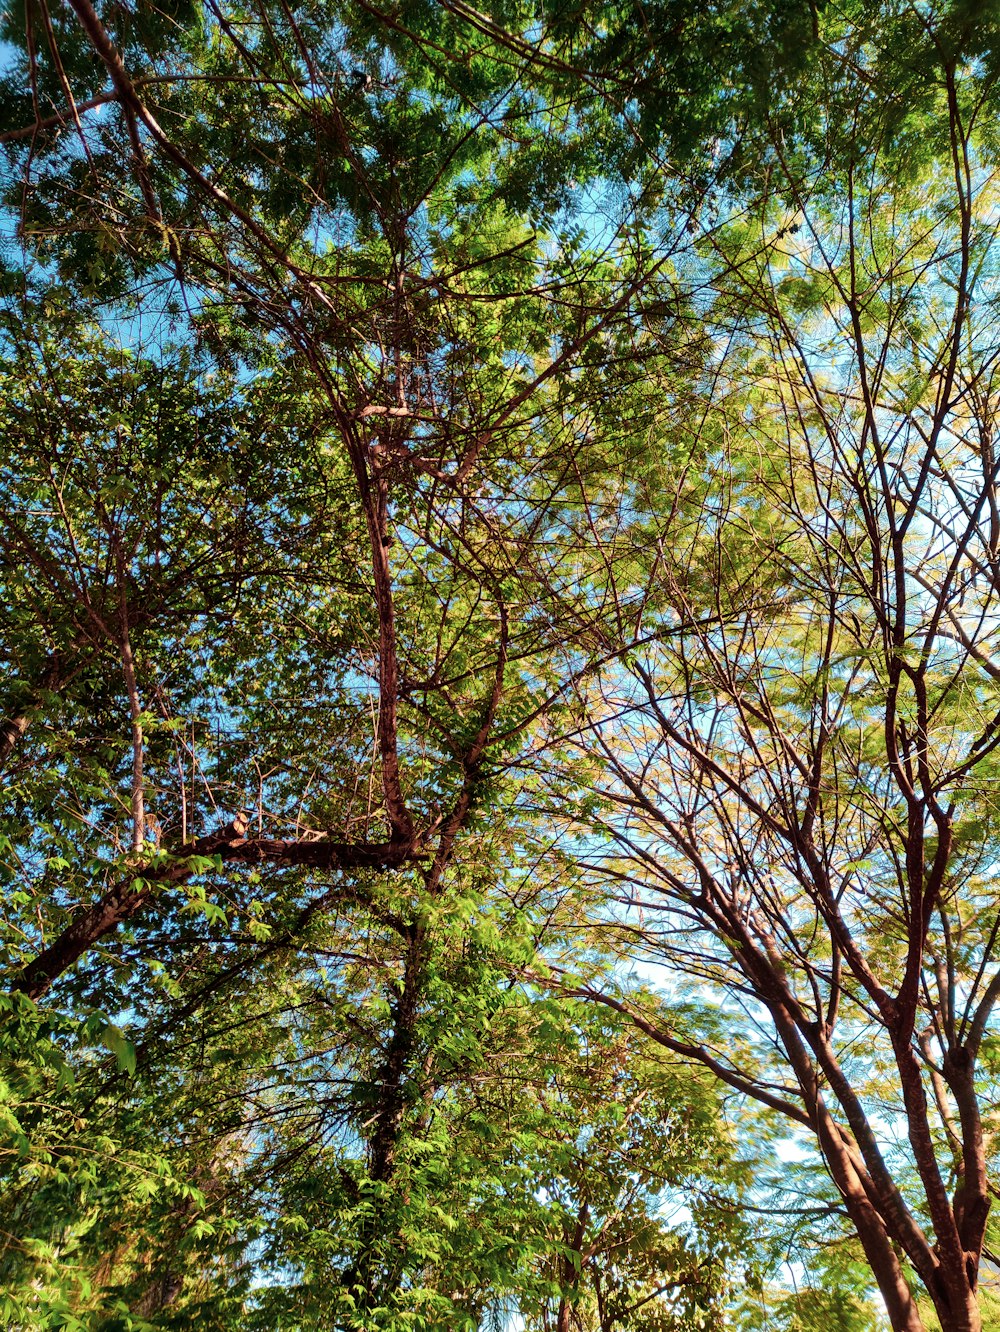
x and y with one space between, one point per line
391 1077
134 892
135 719
972 1196
878 1214
571 1270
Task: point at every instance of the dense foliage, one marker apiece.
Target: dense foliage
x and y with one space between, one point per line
499 554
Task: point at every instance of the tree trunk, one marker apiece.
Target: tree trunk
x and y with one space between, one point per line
957 1308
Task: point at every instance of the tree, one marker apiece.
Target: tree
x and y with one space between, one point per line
425 324
796 757
462 283
284 432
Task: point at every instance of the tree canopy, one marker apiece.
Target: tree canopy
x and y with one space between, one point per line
499 556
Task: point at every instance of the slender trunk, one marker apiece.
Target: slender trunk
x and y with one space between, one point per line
135 719
904 1316
572 1270
380 1265
392 1076
971 1202
846 1170
376 512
